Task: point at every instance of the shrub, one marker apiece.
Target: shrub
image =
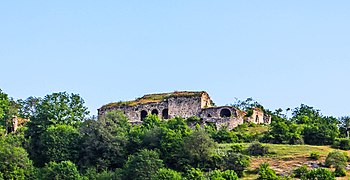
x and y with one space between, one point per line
336 159
300 171
342 143
237 148
315 155
219 175
318 174
257 149
340 172
235 161
166 174
195 174
265 172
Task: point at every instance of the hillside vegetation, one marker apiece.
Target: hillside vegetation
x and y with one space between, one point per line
58 140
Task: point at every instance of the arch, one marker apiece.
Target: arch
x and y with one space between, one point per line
154 111
165 114
143 114
256 118
225 113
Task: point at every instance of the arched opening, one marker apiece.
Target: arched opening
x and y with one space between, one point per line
256 118
165 114
143 114
209 115
154 111
225 113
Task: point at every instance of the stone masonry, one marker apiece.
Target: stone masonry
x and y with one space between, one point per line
185 104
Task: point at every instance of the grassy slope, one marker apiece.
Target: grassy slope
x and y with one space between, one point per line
284 158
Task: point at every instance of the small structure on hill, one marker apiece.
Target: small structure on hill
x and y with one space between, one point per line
14 123
185 104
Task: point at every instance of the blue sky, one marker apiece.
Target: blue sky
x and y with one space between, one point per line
281 53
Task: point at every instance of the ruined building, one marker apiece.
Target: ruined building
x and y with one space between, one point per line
185 104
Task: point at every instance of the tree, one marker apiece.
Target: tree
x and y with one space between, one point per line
235 161
59 143
14 162
322 132
174 131
104 142
65 170
199 147
142 165
305 114
53 109
344 125
4 107
27 107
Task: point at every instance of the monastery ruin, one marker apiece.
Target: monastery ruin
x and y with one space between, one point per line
185 104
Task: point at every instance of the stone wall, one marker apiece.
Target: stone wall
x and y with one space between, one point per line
184 106
259 117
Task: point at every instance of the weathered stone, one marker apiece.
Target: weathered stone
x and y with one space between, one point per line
185 104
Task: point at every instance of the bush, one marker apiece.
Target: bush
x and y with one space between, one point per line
315 155
237 148
235 161
266 173
300 171
166 174
257 149
340 172
318 174
336 159
218 175
342 143
223 135
195 174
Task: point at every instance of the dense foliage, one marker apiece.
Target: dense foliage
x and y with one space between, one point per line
60 141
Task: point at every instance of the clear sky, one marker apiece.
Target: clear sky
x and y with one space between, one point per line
281 53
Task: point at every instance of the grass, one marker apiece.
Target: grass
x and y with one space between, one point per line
153 98
283 158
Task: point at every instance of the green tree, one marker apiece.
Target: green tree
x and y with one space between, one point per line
199 147
27 107
174 131
14 162
4 107
104 142
344 125
65 170
142 165
323 131
235 161
53 109
59 143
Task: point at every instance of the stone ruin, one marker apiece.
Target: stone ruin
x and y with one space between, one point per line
185 104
